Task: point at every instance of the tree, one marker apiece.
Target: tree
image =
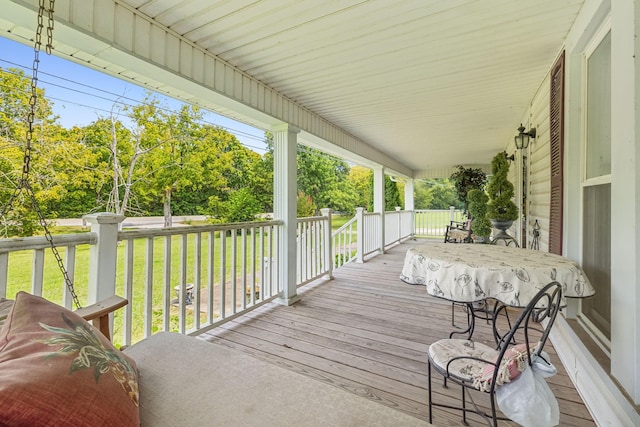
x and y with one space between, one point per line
75 179
242 206
227 167
322 177
19 217
361 179
165 139
391 194
423 194
106 141
444 194
261 179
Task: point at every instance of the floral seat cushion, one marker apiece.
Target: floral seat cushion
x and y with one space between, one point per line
440 352
477 372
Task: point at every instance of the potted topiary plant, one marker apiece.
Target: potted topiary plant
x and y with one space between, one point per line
501 210
480 225
466 179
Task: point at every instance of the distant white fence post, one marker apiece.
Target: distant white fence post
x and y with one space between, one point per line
103 255
361 234
328 243
452 213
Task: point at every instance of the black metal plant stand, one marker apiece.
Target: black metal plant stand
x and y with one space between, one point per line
502 235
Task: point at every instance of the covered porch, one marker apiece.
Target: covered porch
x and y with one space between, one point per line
367 332
410 91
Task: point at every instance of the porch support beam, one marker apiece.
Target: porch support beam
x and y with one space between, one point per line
409 202
378 203
285 139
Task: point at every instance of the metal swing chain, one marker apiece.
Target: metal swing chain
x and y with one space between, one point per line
26 164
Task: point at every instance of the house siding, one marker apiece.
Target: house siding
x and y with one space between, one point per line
539 167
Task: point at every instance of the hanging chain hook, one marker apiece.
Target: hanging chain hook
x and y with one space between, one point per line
24 183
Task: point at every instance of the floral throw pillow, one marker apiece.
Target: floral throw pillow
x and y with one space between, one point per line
513 363
56 369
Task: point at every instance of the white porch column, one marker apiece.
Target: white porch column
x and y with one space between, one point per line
409 202
625 196
378 202
285 138
103 255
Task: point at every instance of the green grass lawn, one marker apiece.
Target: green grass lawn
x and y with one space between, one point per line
338 221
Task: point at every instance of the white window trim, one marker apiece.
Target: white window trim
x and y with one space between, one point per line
599 35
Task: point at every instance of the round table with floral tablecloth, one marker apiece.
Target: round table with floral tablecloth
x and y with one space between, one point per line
474 272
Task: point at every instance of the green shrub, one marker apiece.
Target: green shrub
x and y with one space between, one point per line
305 205
478 200
501 191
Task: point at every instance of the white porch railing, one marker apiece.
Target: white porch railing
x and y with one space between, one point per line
433 222
344 243
192 278
398 225
16 255
314 248
370 242
188 279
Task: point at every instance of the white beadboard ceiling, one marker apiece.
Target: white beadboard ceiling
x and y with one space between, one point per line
430 83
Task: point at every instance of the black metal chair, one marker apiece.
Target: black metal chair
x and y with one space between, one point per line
457 232
487 310
476 366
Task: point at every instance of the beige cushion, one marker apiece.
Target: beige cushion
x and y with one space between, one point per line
440 352
185 381
477 372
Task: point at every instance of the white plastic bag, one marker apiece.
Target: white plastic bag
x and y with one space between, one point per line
528 400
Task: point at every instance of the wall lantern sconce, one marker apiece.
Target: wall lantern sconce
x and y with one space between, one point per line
522 139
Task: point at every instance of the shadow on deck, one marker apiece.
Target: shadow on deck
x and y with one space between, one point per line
367 332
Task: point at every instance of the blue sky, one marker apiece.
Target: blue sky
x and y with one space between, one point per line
80 95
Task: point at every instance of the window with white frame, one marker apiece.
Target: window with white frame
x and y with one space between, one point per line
596 187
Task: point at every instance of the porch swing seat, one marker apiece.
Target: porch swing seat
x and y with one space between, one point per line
181 380
187 381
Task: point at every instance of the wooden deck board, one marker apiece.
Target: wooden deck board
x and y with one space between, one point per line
368 333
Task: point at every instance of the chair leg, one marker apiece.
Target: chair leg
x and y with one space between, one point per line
464 407
430 401
493 411
496 310
453 315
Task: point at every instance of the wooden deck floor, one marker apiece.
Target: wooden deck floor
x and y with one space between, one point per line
367 332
